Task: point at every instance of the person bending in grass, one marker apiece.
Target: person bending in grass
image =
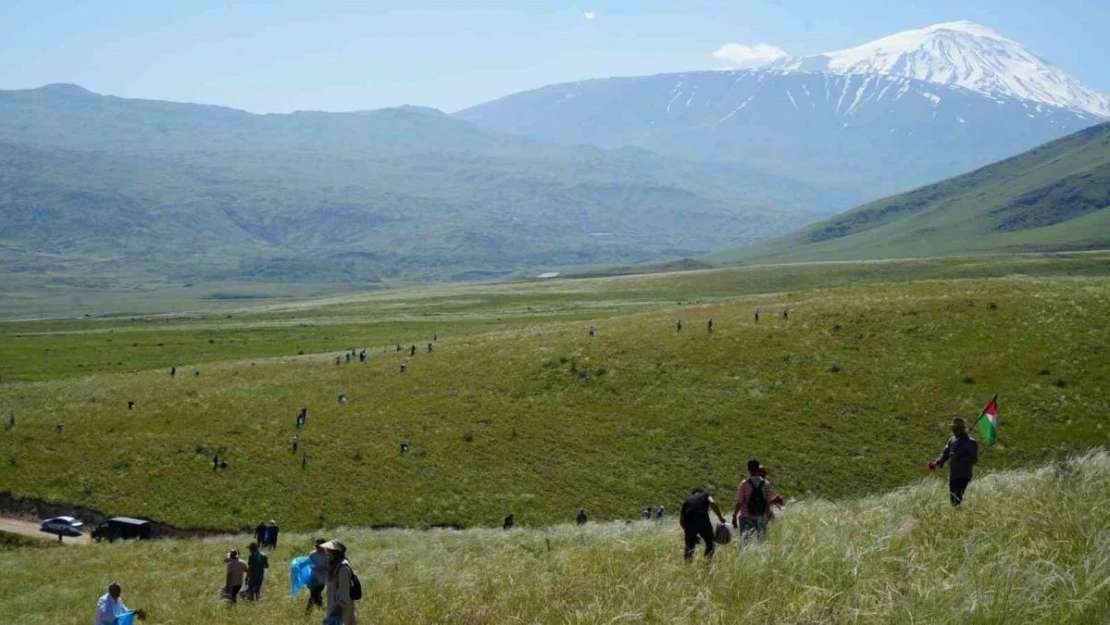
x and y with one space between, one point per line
110 607
694 519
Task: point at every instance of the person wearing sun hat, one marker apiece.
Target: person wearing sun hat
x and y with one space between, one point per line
340 607
961 452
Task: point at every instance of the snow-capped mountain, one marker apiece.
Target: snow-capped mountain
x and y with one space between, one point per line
962 54
871 133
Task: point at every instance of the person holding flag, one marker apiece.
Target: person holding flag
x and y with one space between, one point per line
962 451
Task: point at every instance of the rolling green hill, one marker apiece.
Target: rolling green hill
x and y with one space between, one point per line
102 191
519 409
1055 197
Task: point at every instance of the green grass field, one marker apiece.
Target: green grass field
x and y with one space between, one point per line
519 410
1027 547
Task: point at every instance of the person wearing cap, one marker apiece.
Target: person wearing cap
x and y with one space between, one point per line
961 452
341 608
110 607
319 560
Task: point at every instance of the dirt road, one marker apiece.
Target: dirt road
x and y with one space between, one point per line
30 528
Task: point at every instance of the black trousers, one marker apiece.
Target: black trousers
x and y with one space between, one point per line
705 532
956 488
235 592
315 597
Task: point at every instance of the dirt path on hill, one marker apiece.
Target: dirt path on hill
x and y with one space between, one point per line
30 528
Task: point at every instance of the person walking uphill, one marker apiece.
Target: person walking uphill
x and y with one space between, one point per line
754 497
236 571
319 560
961 452
341 605
694 519
257 563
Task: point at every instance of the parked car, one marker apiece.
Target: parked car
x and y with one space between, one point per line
121 528
62 526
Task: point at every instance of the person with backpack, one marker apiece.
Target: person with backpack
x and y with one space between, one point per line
754 496
694 519
343 587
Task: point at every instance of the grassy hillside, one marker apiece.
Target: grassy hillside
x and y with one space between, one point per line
128 193
1028 547
519 410
1054 197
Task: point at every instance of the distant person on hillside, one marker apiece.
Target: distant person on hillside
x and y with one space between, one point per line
196 374
296 440
593 331
319 559
403 367
271 539
963 452
645 514
337 361
659 513
260 533
412 351
398 347
347 358
216 462
581 518
710 325
435 337
173 372
130 405
508 524
59 427
678 326
757 314
11 417
786 313
430 348
257 563
341 606
694 519
236 571
304 460
110 607
753 501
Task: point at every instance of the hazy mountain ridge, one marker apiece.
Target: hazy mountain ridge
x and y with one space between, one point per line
184 191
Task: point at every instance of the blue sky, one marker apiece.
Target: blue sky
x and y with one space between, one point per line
284 55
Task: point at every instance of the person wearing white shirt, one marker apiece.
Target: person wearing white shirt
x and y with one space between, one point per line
110 607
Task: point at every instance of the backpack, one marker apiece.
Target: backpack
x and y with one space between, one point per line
356 586
757 503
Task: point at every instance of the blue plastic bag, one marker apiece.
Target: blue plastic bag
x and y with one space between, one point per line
127 618
300 574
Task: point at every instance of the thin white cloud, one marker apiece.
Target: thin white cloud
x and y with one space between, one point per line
742 55
589 15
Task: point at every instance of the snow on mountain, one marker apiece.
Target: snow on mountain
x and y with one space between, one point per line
960 54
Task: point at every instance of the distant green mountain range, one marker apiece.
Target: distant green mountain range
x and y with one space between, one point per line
97 189
1054 197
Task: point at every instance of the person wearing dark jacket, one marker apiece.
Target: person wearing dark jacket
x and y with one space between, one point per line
694 519
961 452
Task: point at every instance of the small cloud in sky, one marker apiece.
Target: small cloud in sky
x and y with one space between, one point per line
742 55
589 15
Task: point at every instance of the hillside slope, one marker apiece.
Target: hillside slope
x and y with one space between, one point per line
1027 547
1055 197
133 190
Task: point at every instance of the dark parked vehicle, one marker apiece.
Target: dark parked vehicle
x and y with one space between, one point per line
121 528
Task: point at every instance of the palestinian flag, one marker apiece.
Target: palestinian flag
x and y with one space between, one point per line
988 422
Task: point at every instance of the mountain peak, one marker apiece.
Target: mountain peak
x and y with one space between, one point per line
962 54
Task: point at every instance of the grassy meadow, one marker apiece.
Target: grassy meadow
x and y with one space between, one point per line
519 410
1029 546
